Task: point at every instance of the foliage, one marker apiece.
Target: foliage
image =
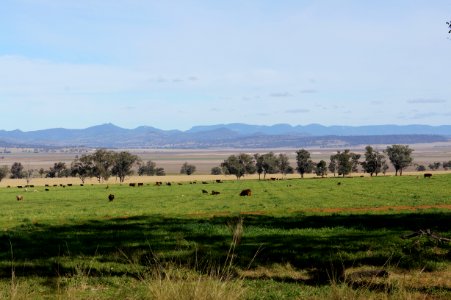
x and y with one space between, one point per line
321 168
434 166
374 161
420 168
57 170
160 172
239 165
345 161
267 164
216 171
82 167
148 169
122 164
17 171
303 161
333 164
284 165
187 169
446 165
4 170
400 157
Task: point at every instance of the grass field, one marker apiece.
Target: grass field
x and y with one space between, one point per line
309 238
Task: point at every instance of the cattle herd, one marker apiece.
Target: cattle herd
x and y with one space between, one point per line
245 192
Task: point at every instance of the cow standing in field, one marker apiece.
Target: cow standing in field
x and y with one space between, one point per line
19 197
111 197
427 175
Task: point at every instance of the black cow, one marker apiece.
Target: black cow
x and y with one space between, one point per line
246 192
111 197
427 175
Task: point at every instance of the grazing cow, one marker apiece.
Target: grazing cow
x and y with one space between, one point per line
19 186
204 192
81 184
204 182
46 185
111 197
132 184
19 197
158 183
168 183
140 183
338 183
8 187
427 175
246 192
273 178
55 185
215 193
69 184
218 181
47 190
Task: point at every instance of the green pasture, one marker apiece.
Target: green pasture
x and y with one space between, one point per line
57 234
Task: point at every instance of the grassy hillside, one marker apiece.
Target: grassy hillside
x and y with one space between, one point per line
289 239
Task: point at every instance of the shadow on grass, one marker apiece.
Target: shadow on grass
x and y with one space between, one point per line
323 244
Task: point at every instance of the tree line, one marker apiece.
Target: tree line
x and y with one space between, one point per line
342 163
102 164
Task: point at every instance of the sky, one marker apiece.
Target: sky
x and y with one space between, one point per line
177 64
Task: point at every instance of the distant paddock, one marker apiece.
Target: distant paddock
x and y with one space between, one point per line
178 178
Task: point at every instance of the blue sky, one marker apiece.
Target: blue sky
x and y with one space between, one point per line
177 64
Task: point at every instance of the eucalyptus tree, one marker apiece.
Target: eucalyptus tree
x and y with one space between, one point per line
303 161
400 156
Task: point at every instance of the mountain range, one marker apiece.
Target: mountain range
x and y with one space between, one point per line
236 135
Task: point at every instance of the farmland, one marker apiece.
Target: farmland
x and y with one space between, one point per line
286 240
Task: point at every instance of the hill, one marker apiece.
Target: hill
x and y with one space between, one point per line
235 135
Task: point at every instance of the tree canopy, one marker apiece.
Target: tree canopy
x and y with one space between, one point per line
239 165
303 161
400 157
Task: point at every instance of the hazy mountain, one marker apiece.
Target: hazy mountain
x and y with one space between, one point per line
228 135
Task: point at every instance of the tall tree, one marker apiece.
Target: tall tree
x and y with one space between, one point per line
102 161
400 157
374 160
17 171
321 168
258 164
239 165
148 169
446 165
82 167
284 164
333 164
267 164
57 170
434 166
4 170
345 162
122 164
187 169
304 163
216 171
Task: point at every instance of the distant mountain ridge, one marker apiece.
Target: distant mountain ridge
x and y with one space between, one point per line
237 135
